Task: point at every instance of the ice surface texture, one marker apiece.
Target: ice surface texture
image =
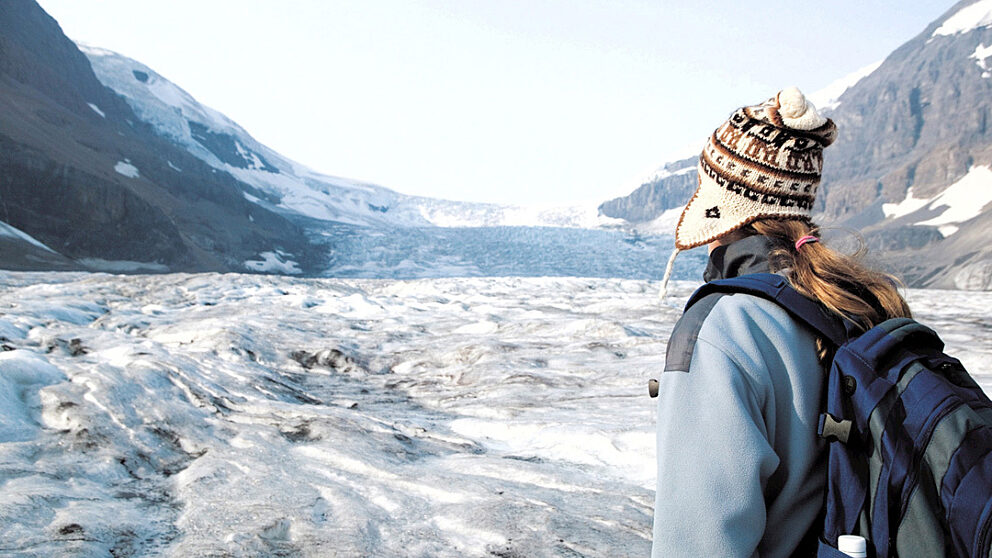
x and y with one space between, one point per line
240 415
434 252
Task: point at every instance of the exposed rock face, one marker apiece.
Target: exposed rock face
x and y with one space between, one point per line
35 53
975 276
922 121
80 173
227 149
55 202
670 187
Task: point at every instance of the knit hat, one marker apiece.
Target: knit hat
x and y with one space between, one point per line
764 161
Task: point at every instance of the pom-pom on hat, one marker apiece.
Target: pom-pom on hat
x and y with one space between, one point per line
764 161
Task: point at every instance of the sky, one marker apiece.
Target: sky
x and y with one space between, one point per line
539 102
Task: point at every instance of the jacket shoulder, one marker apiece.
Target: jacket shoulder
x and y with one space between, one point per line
734 308
683 340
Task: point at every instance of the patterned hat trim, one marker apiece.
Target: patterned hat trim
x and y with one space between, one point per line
781 173
768 134
754 140
753 191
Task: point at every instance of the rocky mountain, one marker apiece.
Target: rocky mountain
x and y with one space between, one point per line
109 166
87 178
912 167
668 187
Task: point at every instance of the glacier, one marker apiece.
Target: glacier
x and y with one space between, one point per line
252 415
435 252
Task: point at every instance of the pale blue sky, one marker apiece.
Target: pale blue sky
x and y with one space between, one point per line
542 101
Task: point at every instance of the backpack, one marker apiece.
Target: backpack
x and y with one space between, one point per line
909 431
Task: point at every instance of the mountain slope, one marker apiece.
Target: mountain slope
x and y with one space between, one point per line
912 166
83 175
270 179
20 252
916 149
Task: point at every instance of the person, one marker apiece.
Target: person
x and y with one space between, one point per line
741 470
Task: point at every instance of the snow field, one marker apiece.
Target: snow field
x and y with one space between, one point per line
245 415
967 19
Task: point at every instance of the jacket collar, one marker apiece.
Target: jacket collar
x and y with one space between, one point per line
747 255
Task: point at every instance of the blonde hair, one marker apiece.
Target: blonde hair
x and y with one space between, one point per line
861 296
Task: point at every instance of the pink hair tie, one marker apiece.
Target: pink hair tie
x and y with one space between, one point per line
804 240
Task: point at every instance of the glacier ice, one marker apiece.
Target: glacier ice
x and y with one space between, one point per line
248 415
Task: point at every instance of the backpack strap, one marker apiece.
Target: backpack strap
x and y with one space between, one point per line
776 288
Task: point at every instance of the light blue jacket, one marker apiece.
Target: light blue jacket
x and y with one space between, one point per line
741 470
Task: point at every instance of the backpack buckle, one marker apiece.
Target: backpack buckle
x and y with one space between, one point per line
833 430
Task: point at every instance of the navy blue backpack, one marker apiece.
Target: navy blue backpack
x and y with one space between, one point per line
910 432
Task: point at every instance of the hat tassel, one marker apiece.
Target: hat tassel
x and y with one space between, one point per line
668 274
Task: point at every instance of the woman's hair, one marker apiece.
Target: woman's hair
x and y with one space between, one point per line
841 283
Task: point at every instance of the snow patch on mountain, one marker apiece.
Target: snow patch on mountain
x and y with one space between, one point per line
960 202
967 19
828 98
905 207
982 53
13 232
127 169
97 110
137 82
964 199
670 168
274 262
221 143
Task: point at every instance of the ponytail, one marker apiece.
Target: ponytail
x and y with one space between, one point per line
861 296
